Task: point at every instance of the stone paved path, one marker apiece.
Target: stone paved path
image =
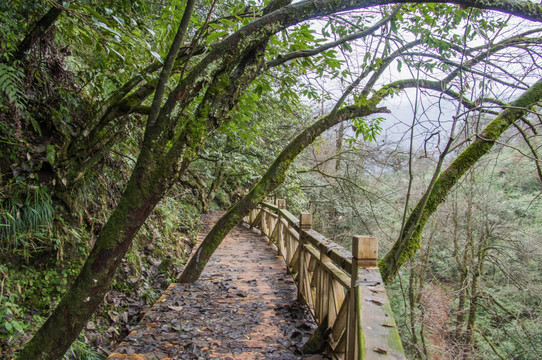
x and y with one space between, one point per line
243 307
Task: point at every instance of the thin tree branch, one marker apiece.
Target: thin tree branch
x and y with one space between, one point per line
168 64
281 59
535 156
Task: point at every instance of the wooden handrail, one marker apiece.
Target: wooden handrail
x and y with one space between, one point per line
344 291
292 220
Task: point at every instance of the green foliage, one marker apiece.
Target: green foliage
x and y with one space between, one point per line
11 85
27 295
12 321
109 42
26 291
83 351
486 225
41 289
26 225
96 47
15 19
369 128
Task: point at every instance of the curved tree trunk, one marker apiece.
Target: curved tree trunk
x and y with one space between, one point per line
165 144
410 240
156 169
152 176
144 191
273 177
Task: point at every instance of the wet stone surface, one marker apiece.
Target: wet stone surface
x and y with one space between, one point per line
243 307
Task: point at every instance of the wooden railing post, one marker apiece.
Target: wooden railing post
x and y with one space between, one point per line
305 223
281 204
364 254
262 220
366 251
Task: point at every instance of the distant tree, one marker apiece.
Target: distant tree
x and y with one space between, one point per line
442 183
197 90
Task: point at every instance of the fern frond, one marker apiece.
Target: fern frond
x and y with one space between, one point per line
18 222
11 80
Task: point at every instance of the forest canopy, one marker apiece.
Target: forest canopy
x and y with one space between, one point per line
417 121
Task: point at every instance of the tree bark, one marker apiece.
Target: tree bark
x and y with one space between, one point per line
37 32
143 192
152 176
410 241
166 142
339 147
273 177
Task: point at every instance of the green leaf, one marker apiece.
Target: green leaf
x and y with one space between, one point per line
393 26
227 22
119 20
35 125
17 326
157 56
117 53
106 27
151 31
94 13
86 38
217 26
216 35
51 154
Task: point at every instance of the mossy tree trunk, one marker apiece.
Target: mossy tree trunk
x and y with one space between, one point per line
152 176
173 136
410 240
164 156
142 193
273 177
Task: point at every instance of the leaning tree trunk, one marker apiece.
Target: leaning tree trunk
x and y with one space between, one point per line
156 167
150 179
410 240
145 188
41 27
274 176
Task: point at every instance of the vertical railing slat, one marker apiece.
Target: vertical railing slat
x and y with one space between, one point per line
305 223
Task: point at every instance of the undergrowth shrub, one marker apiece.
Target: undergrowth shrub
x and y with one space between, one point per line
26 225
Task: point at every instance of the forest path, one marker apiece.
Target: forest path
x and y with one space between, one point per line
243 307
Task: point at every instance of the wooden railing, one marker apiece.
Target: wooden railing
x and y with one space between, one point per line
343 291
